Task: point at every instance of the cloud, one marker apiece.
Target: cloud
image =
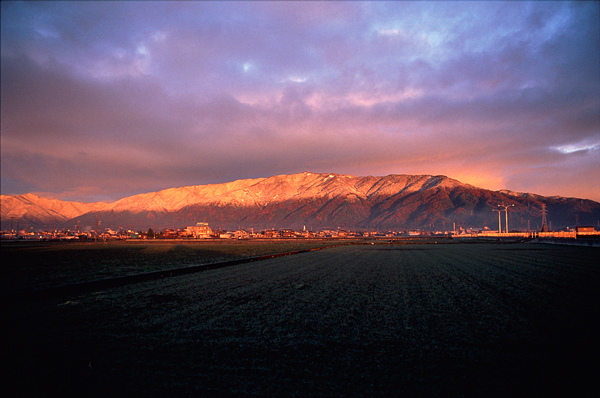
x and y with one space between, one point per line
115 98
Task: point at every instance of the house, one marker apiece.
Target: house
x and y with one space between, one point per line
241 234
288 233
170 233
271 234
584 229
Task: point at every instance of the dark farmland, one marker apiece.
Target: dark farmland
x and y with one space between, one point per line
39 265
360 320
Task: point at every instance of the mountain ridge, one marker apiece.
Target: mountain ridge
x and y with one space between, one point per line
315 200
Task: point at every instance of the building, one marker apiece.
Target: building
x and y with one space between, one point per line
200 230
584 229
241 234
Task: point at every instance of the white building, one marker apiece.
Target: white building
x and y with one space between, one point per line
200 230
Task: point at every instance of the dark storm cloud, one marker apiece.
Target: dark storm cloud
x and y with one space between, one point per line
114 98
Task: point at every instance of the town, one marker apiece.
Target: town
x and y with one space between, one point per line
202 231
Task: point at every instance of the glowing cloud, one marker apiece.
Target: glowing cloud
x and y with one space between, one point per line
141 96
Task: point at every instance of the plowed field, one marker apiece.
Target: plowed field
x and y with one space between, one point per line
361 320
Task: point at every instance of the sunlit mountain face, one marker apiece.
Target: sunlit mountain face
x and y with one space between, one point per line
312 200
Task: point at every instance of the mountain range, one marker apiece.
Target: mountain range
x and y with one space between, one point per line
312 200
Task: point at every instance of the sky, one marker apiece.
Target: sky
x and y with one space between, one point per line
103 100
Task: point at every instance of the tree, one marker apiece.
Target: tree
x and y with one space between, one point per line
150 233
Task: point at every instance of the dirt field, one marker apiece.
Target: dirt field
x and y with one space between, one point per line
377 320
34 265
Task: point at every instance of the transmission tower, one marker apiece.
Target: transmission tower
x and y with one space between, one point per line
544 222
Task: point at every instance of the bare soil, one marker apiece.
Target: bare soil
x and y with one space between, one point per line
376 320
36 265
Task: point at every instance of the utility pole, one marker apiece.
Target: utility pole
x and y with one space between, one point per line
506 215
499 220
502 208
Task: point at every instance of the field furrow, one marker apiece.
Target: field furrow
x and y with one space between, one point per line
384 319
